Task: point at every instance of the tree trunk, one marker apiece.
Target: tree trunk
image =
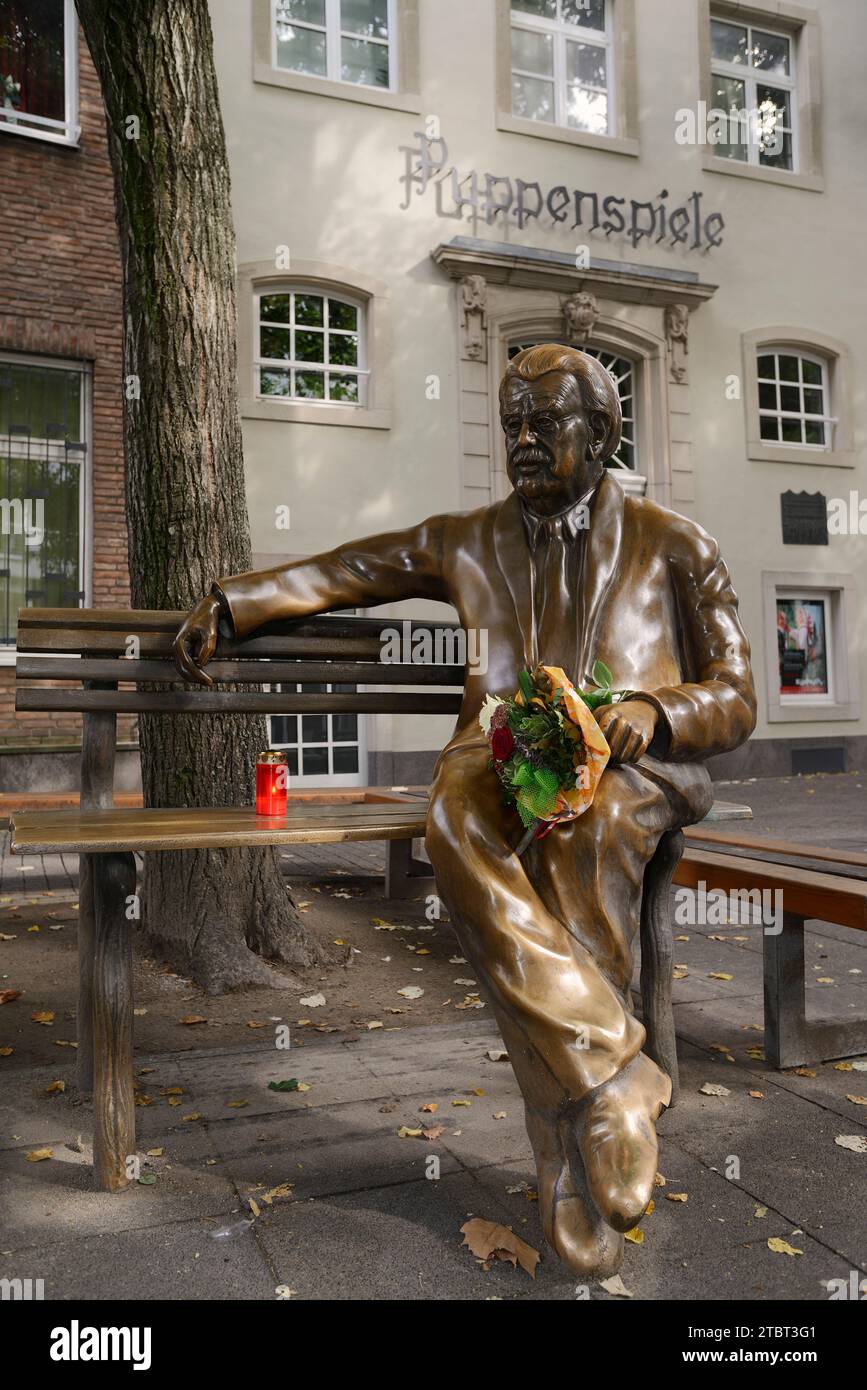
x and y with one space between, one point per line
217 915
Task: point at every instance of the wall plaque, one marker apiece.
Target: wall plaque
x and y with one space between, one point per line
805 518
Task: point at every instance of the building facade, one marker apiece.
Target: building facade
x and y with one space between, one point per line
63 538
421 187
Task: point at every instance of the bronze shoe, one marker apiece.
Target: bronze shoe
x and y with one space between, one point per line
617 1141
572 1226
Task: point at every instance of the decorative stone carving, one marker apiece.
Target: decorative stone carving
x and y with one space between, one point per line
474 317
580 313
677 341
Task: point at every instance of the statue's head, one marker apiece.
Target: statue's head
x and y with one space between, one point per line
561 416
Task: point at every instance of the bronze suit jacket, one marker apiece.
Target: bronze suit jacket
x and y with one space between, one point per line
655 604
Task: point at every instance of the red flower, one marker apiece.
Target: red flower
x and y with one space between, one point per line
502 744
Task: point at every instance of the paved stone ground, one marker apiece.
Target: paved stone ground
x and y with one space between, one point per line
357 1217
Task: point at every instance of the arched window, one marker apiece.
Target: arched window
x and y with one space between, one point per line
623 372
309 345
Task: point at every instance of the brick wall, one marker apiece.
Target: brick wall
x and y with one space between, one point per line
60 293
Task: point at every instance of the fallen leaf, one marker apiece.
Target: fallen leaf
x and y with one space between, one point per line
375 1023
782 1247
434 1132
190 1119
292 1084
635 1236
803 1071
760 1212
380 925
4 936
406 1133
430 1109
411 992
499 1114
856 1143
38 1155
677 1196
55 1087
616 1286
844 1066
236 1104
192 1018
488 1240
462 1102
711 1089
496 1055
719 975
254 1023
857 1100
147 1179
824 980
720 1047
757 1095
64 1042
155 1153
283 1189
254 1207
315 1001
659 1181
6 1051
45 1017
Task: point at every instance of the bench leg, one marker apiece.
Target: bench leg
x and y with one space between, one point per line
791 1039
113 880
405 877
84 1016
657 956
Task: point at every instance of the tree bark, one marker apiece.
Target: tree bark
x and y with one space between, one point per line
220 915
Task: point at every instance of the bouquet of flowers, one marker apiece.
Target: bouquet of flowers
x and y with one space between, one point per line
546 746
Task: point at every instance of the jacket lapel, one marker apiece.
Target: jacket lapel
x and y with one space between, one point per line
604 539
513 557
603 543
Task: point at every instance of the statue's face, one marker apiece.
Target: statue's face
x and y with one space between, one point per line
553 452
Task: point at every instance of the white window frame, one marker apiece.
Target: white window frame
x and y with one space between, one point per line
752 77
322 779
361 372
85 516
67 131
334 34
564 32
797 596
829 421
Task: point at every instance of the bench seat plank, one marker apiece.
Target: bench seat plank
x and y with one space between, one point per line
825 897
102 832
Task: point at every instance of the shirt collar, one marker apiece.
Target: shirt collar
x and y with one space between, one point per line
570 522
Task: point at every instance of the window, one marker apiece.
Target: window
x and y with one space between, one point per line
793 399
319 747
38 69
310 347
343 40
811 627
753 80
561 63
43 454
622 370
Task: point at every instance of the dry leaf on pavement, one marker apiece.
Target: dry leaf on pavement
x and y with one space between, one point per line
489 1240
782 1247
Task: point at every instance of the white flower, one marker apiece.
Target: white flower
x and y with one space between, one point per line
486 713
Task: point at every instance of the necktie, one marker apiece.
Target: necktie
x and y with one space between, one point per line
555 585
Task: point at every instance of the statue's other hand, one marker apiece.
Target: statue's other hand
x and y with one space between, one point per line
196 641
628 728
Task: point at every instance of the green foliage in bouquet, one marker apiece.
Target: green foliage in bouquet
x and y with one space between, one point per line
535 747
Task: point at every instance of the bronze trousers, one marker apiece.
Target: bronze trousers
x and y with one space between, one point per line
550 935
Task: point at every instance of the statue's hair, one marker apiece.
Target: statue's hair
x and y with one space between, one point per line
597 387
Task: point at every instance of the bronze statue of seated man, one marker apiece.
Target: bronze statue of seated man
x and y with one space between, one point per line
566 570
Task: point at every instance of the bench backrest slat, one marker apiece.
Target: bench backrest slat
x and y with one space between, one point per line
91 647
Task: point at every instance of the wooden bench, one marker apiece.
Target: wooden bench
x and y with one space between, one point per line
90 648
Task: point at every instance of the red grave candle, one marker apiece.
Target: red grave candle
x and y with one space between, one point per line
272 776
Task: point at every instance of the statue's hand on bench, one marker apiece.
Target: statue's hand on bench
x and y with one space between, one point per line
196 641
